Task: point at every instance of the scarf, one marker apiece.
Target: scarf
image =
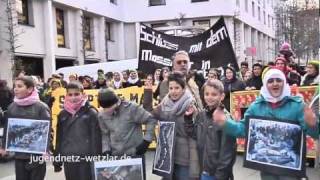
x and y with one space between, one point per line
117 84
29 100
177 107
133 81
274 73
72 107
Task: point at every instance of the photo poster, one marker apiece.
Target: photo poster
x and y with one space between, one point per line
130 168
275 146
241 100
163 162
27 135
212 48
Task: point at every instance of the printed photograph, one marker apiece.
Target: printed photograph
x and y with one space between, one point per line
275 144
128 169
27 135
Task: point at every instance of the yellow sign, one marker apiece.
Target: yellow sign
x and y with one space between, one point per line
134 94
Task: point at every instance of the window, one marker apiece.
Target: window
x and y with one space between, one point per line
60 28
264 17
87 28
264 3
269 20
259 14
246 5
159 25
22 10
202 23
157 2
253 12
238 3
108 31
113 1
198 0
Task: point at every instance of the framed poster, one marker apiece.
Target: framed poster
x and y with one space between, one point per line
275 146
119 169
27 135
163 159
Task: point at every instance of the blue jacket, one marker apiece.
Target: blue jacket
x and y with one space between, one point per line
291 108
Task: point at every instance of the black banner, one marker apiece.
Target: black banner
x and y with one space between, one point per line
210 49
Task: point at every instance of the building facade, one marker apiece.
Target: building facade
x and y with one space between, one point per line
51 34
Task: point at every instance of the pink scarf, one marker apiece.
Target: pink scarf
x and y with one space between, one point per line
29 100
74 107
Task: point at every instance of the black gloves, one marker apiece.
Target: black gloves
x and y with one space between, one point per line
57 168
142 148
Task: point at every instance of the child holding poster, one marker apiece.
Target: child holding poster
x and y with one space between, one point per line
27 105
274 102
216 149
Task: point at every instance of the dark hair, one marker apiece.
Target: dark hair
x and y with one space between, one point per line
271 63
100 71
256 65
27 80
61 74
178 78
244 63
162 71
75 85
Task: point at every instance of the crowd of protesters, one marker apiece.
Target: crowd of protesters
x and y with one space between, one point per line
185 96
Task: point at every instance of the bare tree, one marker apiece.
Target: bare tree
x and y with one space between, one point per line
300 27
13 32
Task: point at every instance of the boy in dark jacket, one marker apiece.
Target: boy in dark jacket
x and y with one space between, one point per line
217 150
78 133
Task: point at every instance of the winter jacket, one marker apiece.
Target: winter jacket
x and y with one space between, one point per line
231 86
122 131
6 98
128 84
185 150
308 80
37 111
290 108
216 149
79 134
255 81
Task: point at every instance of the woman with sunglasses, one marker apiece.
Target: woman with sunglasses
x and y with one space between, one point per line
78 133
274 102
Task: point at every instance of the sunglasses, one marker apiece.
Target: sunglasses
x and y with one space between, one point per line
73 94
271 80
183 61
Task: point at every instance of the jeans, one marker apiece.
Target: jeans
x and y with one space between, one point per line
181 172
206 176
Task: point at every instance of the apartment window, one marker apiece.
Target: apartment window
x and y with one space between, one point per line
259 14
159 25
264 3
198 0
246 5
202 23
238 3
157 2
264 17
23 11
108 31
253 10
113 1
60 28
269 20
87 33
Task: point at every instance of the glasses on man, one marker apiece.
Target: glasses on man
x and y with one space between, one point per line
182 61
271 80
